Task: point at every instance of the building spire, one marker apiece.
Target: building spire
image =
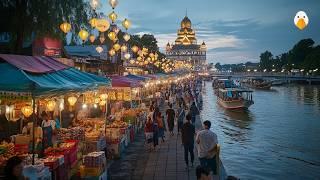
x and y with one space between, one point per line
186 12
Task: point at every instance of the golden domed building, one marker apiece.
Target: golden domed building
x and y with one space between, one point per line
186 47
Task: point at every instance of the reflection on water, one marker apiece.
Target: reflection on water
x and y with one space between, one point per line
278 137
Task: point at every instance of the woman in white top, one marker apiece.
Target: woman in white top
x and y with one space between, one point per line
48 127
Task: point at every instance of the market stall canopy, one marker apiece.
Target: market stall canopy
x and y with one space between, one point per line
122 81
43 75
136 77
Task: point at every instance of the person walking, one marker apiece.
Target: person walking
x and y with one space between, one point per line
159 119
148 130
194 112
180 115
170 119
187 134
207 147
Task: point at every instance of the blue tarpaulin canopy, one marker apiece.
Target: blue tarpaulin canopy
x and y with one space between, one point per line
16 79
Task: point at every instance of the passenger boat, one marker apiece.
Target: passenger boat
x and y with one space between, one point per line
223 83
278 82
234 98
257 83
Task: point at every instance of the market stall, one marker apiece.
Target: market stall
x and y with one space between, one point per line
34 85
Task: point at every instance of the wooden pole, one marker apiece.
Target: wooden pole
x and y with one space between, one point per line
33 127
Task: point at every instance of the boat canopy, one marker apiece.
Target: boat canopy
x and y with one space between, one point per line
235 90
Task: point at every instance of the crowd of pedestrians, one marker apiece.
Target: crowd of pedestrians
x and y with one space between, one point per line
179 106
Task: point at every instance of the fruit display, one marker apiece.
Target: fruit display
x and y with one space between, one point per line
117 124
7 150
75 133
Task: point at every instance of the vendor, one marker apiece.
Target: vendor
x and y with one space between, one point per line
14 168
48 127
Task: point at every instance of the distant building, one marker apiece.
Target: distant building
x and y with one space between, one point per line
86 58
186 47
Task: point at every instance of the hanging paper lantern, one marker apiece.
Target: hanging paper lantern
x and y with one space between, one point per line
126 37
112 52
65 27
113 3
126 23
146 62
112 35
93 22
132 61
151 55
113 16
51 105
135 48
27 111
95 4
92 38
104 96
141 63
149 59
83 34
140 53
116 47
102 38
124 48
127 56
97 100
139 58
99 49
72 100
102 102
102 25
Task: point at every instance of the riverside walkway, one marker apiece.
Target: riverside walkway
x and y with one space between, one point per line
166 163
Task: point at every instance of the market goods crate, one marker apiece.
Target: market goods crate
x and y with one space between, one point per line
103 176
21 148
91 171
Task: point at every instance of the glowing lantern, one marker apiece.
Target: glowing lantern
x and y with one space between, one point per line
92 38
127 56
27 111
149 59
95 4
151 55
132 61
113 3
72 100
93 22
124 48
135 48
65 27
126 23
116 47
113 16
112 35
102 25
102 103
83 34
139 58
51 105
141 63
140 53
99 49
112 52
96 100
146 62
104 96
126 37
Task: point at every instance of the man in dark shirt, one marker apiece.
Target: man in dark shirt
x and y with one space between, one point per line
188 132
170 118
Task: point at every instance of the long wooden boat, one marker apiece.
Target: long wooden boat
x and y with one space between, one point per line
257 83
234 98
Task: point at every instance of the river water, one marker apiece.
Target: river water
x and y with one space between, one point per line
277 138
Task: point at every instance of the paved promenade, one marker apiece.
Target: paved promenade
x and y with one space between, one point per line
166 163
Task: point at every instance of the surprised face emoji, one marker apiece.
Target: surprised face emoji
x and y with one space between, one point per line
301 20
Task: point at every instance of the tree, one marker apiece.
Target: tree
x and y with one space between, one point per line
218 66
312 61
30 19
299 52
266 60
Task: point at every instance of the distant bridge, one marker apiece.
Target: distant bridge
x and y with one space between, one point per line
268 76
